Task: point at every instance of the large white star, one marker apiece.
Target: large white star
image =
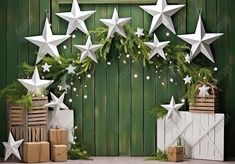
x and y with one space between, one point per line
162 13
201 41
88 50
35 85
157 47
76 18
204 91
47 42
172 108
12 147
57 104
115 24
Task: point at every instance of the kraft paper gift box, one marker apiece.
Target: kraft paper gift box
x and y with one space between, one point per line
58 136
59 153
65 120
36 152
175 153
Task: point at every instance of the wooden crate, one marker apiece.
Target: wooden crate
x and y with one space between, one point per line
208 104
29 125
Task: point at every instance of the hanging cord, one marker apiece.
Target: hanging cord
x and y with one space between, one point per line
199 10
47 12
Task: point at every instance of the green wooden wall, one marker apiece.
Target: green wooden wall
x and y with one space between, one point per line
113 120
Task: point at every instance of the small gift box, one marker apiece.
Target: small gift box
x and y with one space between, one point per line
58 136
36 152
175 153
59 153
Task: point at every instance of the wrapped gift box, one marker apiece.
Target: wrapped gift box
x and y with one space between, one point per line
58 136
59 153
36 152
64 120
175 153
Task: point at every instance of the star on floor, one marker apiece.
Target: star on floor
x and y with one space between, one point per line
201 41
76 18
157 47
115 24
162 13
204 91
47 42
35 85
12 147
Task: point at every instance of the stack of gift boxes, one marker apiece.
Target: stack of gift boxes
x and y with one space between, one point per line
56 148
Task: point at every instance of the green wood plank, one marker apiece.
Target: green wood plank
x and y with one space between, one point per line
192 16
44 5
124 97
231 112
34 30
3 71
137 92
149 102
223 57
109 1
112 98
22 31
100 93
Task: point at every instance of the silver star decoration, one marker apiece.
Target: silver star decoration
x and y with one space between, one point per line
12 147
172 108
201 41
71 69
187 59
46 67
157 47
88 50
162 13
187 80
35 85
47 42
204 91
57 104
76 18
115 24
139 32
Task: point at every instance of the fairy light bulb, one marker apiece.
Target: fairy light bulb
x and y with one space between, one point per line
135 75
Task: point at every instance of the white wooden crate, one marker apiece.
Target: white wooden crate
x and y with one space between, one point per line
202 134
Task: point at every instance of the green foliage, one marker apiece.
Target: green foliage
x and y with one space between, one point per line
159 155
158 112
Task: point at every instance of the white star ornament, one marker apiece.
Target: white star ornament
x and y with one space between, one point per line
201 41
157 47
204 91
172 108
88 50
187 80
76 18
35 85
46 67
47 42
162 13
71 69
12 147
139 32
115 24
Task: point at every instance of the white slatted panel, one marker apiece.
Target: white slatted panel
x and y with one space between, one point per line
202 134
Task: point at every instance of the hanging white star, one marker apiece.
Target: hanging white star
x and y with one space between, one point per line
12 147
57 104
47 42
201 41
157 47
187 80
187 59
46 67
204 91
35 85
172 108
115 24
139 32
88 50
71 69
76 18
162 13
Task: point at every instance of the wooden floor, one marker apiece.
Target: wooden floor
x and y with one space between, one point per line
128 160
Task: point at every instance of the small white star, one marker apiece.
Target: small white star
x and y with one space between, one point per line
187 59
71 69
187 80
139 32
46 67
204 91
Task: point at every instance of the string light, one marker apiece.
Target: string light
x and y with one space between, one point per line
135 75
64 46
85 86
163 83
171 80
182 100
124 61
167 34
159 77
73 36
79 77
89 76
138 46
127 55
139 52
147 77
109 63
71 83
74 89
70 100
85 96
215 69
